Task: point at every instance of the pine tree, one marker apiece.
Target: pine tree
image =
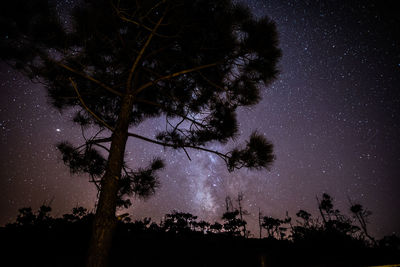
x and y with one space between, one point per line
118 63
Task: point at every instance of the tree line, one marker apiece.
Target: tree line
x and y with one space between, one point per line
180 237
233 222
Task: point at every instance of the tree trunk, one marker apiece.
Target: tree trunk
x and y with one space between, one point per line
105 221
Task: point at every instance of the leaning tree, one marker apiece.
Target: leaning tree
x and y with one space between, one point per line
117 63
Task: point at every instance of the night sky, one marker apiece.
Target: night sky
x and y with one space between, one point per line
332 114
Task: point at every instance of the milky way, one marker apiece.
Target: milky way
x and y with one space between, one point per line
332 115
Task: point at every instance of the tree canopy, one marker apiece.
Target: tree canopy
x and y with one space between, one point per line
192 62
118 63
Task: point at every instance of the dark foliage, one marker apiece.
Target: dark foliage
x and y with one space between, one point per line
179 222
274 227
257 154
232 223
84 160
141 183
182 240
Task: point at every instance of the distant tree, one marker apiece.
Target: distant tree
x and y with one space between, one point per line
141 225
154 227
361 215
305 227
287 222
202 226
118 63
78 213
242 212
179 222
216 227
325 207
43 213
228 204
26 216
260 222
305 216
233 225
276 228
391 242
333 219
272 225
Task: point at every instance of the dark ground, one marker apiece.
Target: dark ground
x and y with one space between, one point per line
63 242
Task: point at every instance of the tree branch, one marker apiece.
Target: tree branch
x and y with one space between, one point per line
187 154
90 78
96 183
154 7
100 140
140 100
129 81
167 77
121 15
221 155
211 82
103 147
87 108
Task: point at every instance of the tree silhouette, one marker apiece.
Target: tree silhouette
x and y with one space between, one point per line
179 222
325 207
202 226
233 225
118 63
26 216
233 217
216 227
180 240
333 219
361 215
78 213
305 216
260 223
274 227
242 212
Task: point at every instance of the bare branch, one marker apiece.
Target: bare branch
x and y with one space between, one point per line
87 108
211 82
100 140
138 58
187 154
154 7
103 147
221 155
84 75
96 183
168 110
126 17
167 77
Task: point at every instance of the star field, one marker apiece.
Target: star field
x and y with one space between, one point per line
332 114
